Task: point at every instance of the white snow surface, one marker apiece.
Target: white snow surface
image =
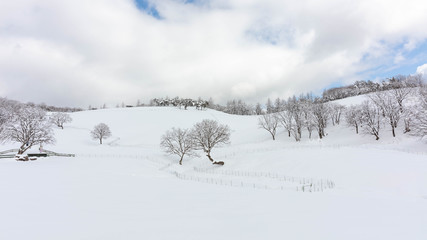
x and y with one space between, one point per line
128 188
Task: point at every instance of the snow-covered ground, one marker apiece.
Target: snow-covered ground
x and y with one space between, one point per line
127 188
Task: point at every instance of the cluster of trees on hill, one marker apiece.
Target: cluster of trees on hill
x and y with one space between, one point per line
180 102
203 136
382 108
299 114
49 108
387 108
31 125
364 87
239 107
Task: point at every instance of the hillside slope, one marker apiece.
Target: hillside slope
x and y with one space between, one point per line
354 187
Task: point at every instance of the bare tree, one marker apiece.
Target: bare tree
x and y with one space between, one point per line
178 141
389 108
269 106
29 127
371 117
320 117
295 107
419 114
278 105
208 134
6 115
400 94
258 109
101 131
353 117
336 111
270 123
307 109
285 118
60 118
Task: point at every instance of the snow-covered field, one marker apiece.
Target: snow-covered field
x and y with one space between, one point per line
127 188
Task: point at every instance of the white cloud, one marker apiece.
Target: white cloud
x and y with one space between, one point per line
90 52
422 70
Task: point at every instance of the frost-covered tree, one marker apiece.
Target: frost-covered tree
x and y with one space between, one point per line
258 109
336 110
408 117
278 105
60 118
419 114
6 115
400 95
320 118
238 107
353 117
100 131
309 121
209 134
295 107
389 108
179 142
29 126
270 123
371 118
269 106
285 118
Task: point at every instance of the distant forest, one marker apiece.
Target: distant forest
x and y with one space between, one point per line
239 107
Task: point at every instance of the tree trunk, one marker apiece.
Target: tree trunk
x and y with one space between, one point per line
273 136
180 160
289 133
357 129
100 141
22 149
393 125
209 156
407 126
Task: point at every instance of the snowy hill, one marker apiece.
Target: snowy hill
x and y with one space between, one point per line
127 188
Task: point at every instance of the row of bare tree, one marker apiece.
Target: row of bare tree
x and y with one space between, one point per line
297 114
389 108
381 108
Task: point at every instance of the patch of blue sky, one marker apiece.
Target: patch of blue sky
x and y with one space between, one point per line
410 60
334 85
273 35
148 8
197 2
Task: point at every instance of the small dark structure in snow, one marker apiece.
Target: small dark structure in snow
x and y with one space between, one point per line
219 163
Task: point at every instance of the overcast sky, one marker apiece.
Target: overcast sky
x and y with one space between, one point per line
90 52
